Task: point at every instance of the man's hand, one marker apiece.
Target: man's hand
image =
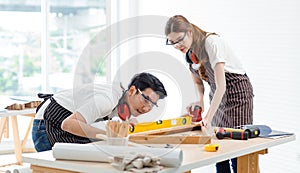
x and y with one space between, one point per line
133 121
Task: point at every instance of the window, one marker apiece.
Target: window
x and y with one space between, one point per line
69 25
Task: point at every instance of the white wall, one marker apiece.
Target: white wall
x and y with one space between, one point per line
265 35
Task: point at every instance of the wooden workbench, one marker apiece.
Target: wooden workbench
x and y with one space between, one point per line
194 156
19 147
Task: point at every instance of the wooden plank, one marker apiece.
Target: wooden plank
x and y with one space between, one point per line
166 136
174 139
16 106
22 106
41 169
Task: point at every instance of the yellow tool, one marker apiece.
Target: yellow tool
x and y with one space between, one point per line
146 126
211 147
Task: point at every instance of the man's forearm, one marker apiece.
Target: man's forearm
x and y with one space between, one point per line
82 129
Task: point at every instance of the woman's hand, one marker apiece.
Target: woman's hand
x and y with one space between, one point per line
205 122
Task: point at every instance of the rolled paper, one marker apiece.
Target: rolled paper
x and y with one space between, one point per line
169 157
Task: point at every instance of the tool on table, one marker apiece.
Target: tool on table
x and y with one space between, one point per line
160 124
196 113
253 132
221 133
266 131
211 147
197 117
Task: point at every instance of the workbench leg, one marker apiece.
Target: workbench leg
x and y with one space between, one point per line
6 134
26 136
17 143
249 163
3 123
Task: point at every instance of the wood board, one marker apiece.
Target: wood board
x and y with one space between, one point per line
165 139
21 106
189 134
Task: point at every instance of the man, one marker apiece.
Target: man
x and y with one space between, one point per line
67 115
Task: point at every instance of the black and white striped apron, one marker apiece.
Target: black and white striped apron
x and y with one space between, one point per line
54 116
236 107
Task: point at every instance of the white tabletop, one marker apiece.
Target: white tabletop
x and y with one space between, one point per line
194 156
6 113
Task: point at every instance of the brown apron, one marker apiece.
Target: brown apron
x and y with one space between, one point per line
236 107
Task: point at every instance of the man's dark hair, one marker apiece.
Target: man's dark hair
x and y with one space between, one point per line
147 80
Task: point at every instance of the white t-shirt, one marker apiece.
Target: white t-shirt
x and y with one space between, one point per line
219 51
92 101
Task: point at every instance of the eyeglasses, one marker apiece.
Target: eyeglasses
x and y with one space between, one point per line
147 100
179 41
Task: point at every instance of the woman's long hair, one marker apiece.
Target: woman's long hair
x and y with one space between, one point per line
178 23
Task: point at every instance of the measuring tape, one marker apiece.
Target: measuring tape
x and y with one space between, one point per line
211 147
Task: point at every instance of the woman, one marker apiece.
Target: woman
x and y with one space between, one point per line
212 60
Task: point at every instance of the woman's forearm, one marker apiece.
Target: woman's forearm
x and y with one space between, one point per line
220 90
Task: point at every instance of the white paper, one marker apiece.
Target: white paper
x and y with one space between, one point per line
170 157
